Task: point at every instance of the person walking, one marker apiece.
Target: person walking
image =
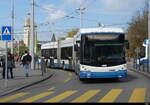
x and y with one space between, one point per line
43 65
26 60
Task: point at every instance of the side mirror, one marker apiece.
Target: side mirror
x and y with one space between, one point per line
127 44
75 47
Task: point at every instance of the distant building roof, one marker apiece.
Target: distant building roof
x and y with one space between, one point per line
53 38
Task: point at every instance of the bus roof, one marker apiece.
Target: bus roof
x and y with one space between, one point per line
68 42
101 30
49 45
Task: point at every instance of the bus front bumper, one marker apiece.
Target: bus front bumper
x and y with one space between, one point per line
116 74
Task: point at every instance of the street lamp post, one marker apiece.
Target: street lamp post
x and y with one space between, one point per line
149 36
32 38
13 21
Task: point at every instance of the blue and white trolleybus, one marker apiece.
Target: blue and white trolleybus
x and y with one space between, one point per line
92 53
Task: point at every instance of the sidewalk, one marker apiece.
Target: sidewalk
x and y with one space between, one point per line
130 67
20 81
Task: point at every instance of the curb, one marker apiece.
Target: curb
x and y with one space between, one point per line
31 84
143 73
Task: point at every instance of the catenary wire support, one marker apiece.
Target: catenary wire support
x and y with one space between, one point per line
149 36
13 21
32 38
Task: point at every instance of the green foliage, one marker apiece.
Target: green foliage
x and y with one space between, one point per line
62 38
138 30
72 33
22 49
38 50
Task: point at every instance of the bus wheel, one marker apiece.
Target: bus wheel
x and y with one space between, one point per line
81 79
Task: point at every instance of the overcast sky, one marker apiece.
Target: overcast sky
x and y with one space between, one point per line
59 16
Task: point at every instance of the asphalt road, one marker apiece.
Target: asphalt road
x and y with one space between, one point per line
64 86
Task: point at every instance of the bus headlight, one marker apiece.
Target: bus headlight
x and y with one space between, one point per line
83 68
124 67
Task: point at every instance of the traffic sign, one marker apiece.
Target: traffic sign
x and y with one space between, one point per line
6 33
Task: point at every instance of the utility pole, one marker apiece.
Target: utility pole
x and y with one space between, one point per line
32 38
13 21
149 36
81 10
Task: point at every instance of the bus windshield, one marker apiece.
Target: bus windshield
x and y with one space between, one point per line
106 53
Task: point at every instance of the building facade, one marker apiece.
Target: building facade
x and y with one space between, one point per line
26 38
27 31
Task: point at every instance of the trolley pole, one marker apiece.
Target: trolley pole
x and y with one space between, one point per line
32 38
149 36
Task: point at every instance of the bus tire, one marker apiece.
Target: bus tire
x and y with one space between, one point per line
121 79
81 79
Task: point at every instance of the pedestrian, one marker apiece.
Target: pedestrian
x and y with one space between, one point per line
10 64
26 60
63 64
43 66
13 62
3 65
39 62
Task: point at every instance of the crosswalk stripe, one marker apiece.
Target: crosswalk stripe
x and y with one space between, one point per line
111 96
15 96
86 96
61 96
34 98
138 95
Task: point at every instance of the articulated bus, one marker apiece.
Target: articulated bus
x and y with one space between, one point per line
92 53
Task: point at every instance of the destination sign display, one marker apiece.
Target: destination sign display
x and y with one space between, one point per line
102 37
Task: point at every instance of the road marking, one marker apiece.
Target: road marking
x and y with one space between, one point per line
138 95
37 97
61 96
70 74
67 80
86 96
111 96
50 89
10 98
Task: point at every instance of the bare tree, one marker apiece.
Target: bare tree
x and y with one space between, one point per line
138 30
